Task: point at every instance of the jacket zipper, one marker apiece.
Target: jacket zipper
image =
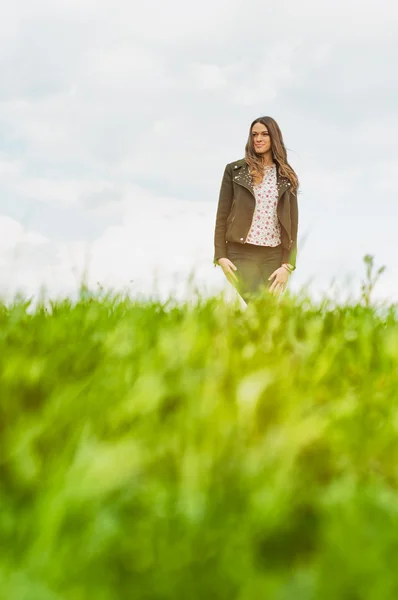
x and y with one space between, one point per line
233 218
287 233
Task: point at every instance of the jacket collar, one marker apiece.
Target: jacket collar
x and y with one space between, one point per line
240 173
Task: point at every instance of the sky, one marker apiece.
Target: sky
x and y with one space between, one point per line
117 119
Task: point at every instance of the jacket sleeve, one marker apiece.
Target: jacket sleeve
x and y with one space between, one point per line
223 210
294 228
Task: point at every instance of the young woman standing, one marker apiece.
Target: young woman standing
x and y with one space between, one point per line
255 238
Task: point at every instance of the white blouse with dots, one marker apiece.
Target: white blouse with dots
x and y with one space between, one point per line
265 229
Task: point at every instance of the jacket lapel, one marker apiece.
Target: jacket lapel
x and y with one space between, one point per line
282 183
242 176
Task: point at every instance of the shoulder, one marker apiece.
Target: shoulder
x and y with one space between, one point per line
236 164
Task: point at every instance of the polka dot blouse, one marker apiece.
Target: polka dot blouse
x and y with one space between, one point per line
265 229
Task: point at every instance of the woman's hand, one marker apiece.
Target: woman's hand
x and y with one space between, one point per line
228 267
279 284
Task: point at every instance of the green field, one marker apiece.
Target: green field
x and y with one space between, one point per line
197 451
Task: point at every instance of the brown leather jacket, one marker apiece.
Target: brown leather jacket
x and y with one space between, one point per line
236 208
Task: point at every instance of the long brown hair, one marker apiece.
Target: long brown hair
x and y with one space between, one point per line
279 154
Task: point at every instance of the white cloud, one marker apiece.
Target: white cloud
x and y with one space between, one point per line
63 191
210 77
13 233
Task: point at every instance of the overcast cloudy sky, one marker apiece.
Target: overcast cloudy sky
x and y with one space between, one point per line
117 119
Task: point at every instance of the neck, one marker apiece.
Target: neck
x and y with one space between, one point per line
267 160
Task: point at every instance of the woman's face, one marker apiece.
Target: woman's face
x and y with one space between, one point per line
261 138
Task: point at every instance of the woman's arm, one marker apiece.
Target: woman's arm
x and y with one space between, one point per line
223 210
294 226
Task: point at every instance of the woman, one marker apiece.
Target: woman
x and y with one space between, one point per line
255 236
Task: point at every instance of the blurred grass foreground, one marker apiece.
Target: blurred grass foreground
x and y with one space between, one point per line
170 451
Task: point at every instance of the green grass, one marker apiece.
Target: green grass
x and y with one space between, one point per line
171 451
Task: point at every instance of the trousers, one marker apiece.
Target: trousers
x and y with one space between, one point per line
254 265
